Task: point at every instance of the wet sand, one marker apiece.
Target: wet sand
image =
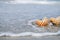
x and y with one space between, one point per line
31 38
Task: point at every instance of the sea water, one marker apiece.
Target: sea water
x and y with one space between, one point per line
16 17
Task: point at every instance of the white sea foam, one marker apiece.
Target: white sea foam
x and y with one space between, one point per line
28 34
34 26
31 2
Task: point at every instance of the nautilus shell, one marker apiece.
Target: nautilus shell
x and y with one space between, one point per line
43 22
55 21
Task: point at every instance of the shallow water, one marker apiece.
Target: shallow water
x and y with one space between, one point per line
14 18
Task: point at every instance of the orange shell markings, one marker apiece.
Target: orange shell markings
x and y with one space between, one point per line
43 22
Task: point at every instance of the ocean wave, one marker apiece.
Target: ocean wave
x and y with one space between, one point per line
31 2
28 34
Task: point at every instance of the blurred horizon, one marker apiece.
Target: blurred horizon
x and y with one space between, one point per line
29 0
